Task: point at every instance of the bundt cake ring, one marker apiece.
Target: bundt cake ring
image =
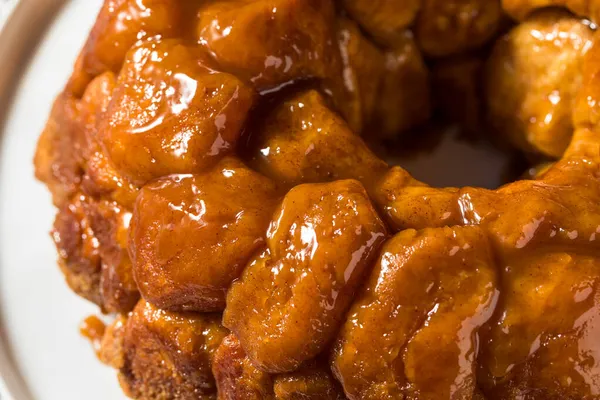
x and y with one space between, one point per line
216 194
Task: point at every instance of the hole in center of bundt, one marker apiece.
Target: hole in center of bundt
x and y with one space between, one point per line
443 156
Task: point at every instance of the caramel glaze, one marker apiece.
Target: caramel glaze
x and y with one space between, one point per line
93 329
206 155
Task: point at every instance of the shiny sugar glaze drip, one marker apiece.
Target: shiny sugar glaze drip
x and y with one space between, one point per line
214 193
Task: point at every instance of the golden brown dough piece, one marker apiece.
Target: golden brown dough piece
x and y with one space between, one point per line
363 67
403 100
91 238
413 330
238 379
270 42
92 106
292 297
384 92
56 163
100 179
162 355
170 113
119 25
311 382
235 375
530 98
385 20
77 247
111 343
521 9
109 223
586 110
297 138
407 203
546 215
530 355
447 27
192 235
69 156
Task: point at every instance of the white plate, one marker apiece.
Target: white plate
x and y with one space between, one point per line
42 355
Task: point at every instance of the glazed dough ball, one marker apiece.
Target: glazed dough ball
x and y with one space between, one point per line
446 27
238 378
289 302
384 20
270 43
192 235
383 353
172 113
166 355
521 9
119 25
384 92
532 78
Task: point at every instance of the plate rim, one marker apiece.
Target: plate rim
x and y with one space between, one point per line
23 29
